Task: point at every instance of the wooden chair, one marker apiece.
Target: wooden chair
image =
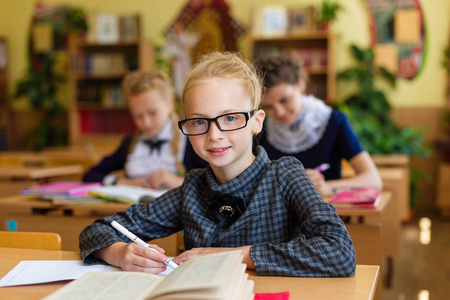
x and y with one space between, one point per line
30 240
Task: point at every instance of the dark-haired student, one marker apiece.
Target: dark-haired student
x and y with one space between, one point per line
305 127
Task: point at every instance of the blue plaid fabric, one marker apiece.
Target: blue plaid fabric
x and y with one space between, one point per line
292 231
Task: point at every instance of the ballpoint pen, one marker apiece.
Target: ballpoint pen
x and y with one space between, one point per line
137 240
323 167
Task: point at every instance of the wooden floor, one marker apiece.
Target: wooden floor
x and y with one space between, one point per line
422 271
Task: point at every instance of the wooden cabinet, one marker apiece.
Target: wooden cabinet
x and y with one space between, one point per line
443 189
4 106
316 49
97 111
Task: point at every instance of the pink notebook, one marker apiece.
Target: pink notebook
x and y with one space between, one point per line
70 188
357 198
272 296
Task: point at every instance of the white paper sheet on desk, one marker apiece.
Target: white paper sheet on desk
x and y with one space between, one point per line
40 271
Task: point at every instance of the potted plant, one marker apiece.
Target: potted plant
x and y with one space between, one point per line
328 13
41 83
40 87
369 113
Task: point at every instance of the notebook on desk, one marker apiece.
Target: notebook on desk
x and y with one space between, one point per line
363 198
125 193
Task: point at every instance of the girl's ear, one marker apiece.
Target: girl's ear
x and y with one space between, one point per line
258 118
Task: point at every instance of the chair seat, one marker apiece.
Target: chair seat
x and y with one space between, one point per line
30 240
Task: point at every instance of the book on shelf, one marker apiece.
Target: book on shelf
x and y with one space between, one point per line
107 26
215 276
61 188
125 193
362 198
101 64
129 26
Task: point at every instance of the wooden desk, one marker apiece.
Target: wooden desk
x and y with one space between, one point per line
360 286
30 213
372 232
13 178
39 174
358 215
52 156
397 180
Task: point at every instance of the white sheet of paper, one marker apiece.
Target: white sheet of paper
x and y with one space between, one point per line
40 271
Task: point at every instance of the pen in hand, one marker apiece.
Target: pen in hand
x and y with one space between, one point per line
323 167
137 240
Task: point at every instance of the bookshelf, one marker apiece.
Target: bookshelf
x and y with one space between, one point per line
97 111
443 188
4 101
316 49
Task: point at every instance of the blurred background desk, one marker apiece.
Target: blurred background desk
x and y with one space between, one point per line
373 231
38 174
31 213
22 169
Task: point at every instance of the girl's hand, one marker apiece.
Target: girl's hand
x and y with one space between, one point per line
134 257
163 179
319 182
141 181
196 252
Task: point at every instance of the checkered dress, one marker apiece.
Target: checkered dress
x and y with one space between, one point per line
292 231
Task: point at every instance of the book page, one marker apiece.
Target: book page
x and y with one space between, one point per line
108 285
211 271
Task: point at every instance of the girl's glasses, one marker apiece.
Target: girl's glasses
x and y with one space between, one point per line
226 122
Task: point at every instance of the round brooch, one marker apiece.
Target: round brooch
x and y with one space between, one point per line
226 211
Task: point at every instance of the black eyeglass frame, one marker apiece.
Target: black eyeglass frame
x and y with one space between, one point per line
248 115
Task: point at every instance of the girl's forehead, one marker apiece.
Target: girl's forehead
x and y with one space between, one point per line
216 97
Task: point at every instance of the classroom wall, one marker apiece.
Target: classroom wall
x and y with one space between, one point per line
428 89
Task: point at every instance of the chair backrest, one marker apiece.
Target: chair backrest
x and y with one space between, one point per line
367 242
30 240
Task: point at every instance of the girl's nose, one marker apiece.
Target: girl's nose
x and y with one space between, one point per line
147 121
214 132
279 110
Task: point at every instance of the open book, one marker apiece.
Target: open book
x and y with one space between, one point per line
124 193
215 276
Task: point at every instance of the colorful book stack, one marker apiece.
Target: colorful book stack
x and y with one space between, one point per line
364 198
65 192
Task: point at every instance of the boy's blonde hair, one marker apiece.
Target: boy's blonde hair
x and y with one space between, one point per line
137 82
225 65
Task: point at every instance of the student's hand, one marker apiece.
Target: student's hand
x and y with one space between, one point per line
319 182
134 257
141 181
163 179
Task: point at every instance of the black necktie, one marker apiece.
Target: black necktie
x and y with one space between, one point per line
155 145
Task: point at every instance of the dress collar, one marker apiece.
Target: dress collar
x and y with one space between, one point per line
246 179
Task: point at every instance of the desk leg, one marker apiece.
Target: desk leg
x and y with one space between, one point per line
389 271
